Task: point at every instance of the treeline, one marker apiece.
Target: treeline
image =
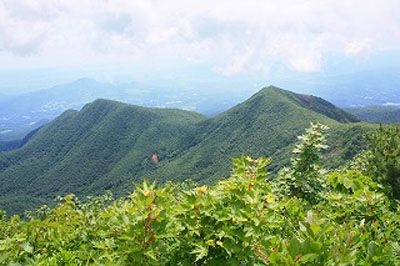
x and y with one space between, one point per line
377 114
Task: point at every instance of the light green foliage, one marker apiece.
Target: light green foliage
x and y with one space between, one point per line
242 220
303 178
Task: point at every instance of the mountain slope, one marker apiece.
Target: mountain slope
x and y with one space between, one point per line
312 103
265 125
107 145
79 147
377 114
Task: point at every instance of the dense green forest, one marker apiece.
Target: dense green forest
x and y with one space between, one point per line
377 114
305 215
108 145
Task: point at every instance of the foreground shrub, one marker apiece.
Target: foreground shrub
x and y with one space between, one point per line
383 158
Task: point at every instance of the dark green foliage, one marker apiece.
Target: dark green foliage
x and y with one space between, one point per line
21 203
382 158
321 106
267 124
109 145
78 150
243 220
377 114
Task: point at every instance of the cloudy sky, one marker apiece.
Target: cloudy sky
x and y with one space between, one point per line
250 41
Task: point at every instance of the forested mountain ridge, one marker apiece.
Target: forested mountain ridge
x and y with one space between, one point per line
265 124
306 215
22 113
107 145
78 147
377 114
313 103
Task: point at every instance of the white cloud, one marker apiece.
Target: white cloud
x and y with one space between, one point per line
232 37
239 63
357 47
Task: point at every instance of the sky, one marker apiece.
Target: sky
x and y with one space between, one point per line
207 44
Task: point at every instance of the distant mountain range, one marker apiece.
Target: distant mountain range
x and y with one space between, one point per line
108 145
23 113
377 113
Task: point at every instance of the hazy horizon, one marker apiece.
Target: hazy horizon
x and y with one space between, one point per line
308 46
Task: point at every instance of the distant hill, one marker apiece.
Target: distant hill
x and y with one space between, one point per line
108 145
78 147
23 113
377 114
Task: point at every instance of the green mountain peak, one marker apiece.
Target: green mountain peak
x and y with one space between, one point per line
108 145
309 102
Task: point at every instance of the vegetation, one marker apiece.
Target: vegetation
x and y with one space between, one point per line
78 148
303 179
377 114
108 145
305 216
382 159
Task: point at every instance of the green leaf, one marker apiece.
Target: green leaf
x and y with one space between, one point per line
27 247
